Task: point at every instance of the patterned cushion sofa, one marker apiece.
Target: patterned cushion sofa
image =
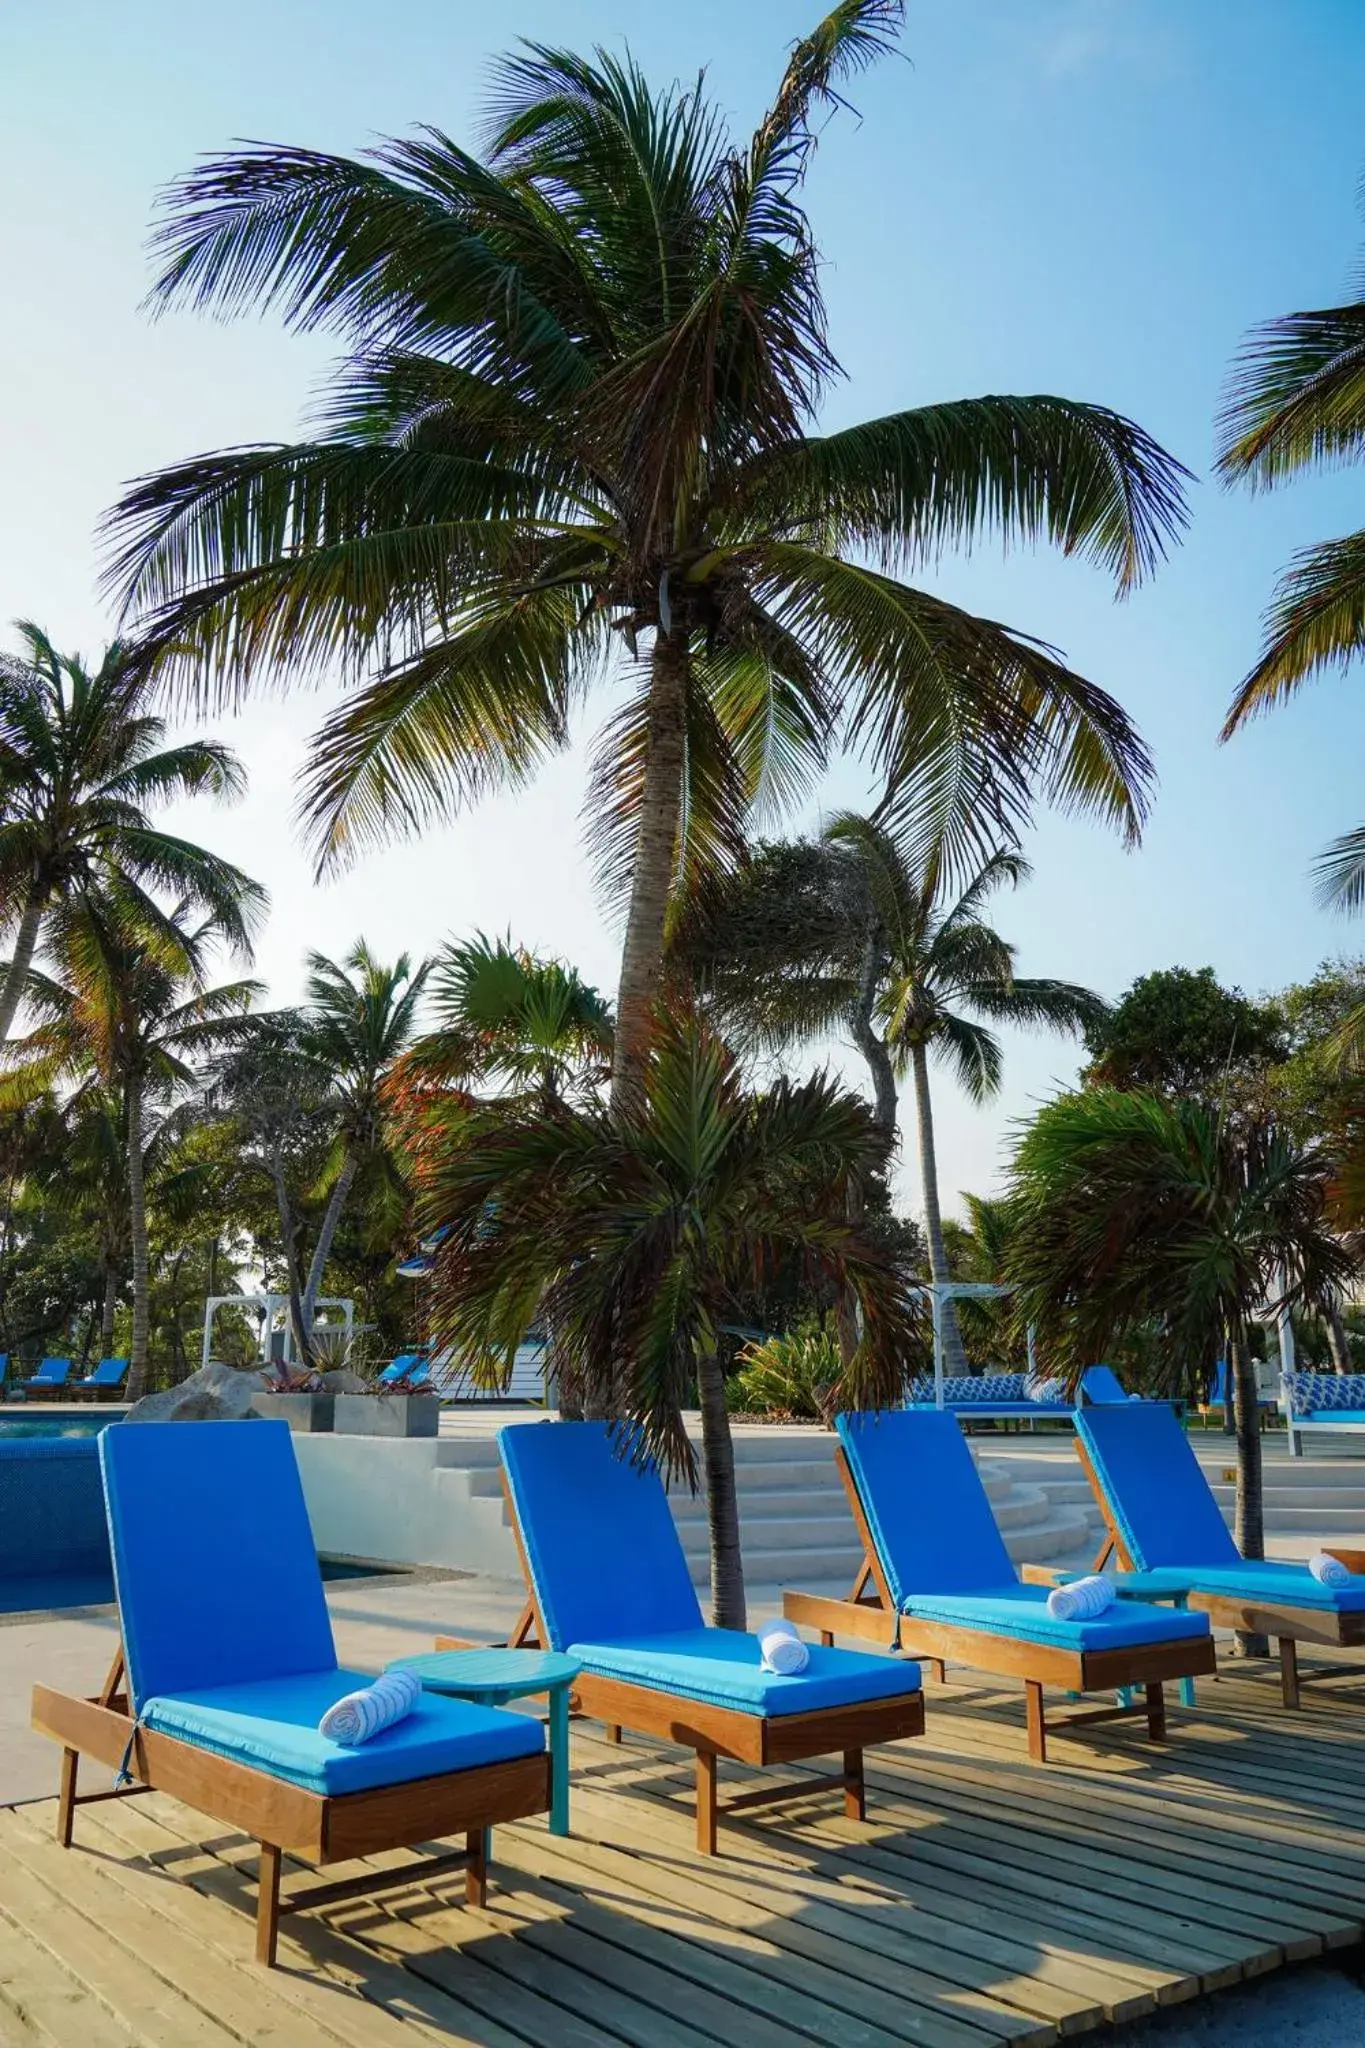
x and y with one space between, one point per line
996 1397
1321 1400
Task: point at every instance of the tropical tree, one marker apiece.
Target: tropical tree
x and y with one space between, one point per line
82 761
1296 403
502 1014
124 1017
636 1237
875 950
1132 1209
358 1020
1181 1032
576 418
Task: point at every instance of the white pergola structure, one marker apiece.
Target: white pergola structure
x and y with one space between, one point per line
269 1307
940 1291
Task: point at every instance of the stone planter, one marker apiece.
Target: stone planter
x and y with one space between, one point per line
387 1415
310 1414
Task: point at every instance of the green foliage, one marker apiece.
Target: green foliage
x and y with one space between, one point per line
1180 1031
795 1376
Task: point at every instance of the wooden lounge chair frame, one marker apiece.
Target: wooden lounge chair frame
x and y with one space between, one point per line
712 1732
1288 1623
285 1818
870 1612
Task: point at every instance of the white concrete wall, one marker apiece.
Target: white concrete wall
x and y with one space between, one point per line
395 1501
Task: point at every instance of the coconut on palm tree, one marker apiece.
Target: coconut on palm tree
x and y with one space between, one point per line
852 934
636 1238
1133 1211
121 1016
575 429
1295 404
82 761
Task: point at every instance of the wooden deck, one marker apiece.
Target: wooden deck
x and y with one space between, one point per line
987 1902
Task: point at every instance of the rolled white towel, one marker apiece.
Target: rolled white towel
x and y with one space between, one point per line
1328 1571
361 1715
782 1649
1082 1600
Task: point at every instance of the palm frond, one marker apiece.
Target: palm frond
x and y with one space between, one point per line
1296 397
1316 621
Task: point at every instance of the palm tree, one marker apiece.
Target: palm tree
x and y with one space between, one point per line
852 933
1296 402
503 1014
81 761
635 1237
1133 1209
128 1018
576 416
358 1020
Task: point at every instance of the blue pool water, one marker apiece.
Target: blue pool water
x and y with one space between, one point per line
25 1428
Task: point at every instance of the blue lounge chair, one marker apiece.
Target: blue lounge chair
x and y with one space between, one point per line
407 1374
1168 1535
50 1377
608 1584
107 1378
230 1665
938 1582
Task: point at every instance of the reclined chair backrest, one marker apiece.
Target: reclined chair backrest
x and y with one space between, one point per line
602 1550
1161 1503
52 1372
214 1564
1100 1383
110 1372
924 1502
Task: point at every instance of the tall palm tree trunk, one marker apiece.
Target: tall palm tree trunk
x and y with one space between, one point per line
1249 1526
289 1246
137 1234
1337 1342
656 856
954 1357
322 1250
108 1309
873 1049
25 943
722 1498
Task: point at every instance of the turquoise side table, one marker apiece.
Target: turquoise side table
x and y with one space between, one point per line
490 1678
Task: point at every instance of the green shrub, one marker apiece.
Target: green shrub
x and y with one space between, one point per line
797 1376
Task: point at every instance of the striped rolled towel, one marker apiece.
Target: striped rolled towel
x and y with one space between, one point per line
1327 1570
1082 1600
360 1715
782 1649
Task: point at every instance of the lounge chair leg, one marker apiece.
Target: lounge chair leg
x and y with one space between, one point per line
476 1870
1037 1727
66 1797
268 1905
827 1638
612 1731
706 1801
855 1786
1289 1671
1156 1714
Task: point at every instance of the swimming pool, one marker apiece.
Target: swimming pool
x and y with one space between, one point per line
24 1428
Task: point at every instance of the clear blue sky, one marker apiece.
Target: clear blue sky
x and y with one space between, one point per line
1093 197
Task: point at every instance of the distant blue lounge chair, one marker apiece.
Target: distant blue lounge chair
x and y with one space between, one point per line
410 1372
231 1665
107 1377
1168 1535
49 1378
609 1584
938 1582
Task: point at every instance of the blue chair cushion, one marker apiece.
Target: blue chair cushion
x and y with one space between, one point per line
925 1505
1021 1612
1159 1498
604 1556
1317 1393
724 1669
272 1725
1101 1383
214 1565
110 1372
1249 1579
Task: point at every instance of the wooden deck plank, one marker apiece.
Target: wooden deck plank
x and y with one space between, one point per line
985 1904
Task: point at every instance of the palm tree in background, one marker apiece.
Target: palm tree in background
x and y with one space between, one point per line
81 761
1132 1210
573 424
636 1238
358 1019
504 1015
1296 403
123 1018
851 933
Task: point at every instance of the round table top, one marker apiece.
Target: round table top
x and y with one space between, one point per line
508 1673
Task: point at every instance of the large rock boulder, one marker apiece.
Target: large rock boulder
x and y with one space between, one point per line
216 1393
